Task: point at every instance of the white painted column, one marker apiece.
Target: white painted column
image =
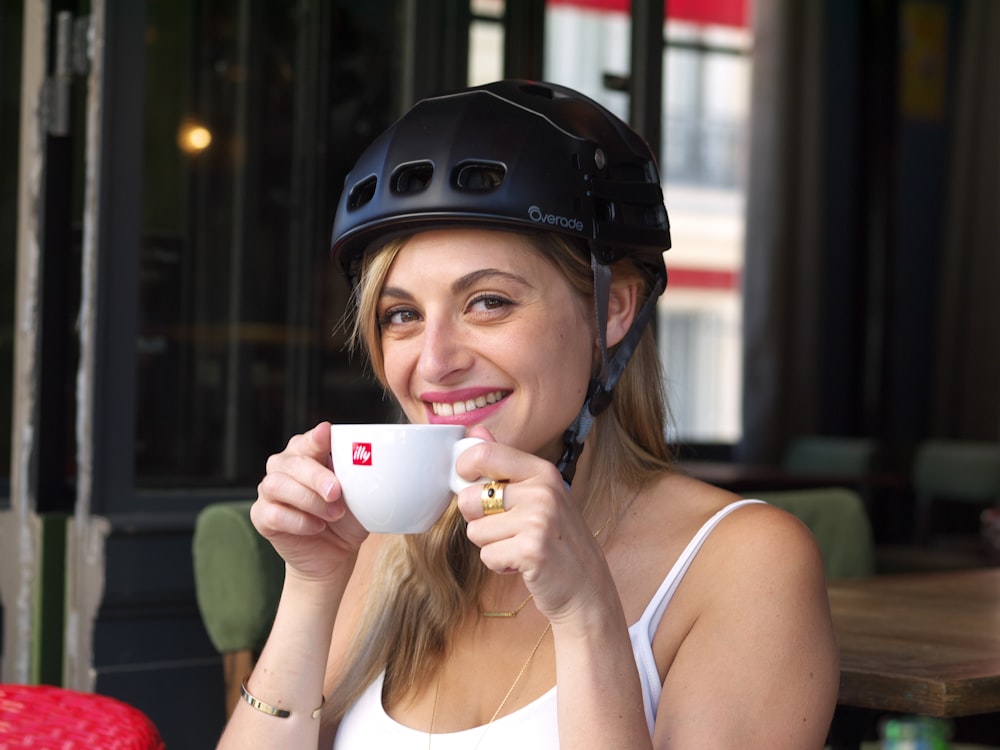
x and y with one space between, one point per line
19 527
86 532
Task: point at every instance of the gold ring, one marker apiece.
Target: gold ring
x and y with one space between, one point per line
493 497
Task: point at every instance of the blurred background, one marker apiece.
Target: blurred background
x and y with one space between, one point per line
169 171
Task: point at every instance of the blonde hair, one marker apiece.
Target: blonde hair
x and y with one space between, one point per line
425 584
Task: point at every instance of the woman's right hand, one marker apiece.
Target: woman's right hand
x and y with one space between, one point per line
300 509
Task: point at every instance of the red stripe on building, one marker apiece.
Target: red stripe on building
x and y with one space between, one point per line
702 278
721 12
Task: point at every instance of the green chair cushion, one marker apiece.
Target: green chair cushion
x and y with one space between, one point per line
958 470
831 456
238 577
838 519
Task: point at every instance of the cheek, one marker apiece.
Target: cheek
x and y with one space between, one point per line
578 357
395 369
583 344
573 359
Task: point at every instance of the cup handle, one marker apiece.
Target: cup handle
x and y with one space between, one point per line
456 482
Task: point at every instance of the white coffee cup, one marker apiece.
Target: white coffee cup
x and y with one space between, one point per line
398 478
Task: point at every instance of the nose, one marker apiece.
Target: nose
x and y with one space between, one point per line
444 351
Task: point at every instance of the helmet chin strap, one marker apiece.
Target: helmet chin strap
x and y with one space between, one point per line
601 388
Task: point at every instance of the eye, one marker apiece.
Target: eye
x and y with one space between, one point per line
396 316
489 302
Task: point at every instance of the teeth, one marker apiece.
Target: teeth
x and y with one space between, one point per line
463 407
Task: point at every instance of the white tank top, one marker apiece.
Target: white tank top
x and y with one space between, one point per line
535 726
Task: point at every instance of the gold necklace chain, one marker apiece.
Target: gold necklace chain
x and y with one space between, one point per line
510 691
524 667
509 613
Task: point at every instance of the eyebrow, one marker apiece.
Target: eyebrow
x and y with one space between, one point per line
461 283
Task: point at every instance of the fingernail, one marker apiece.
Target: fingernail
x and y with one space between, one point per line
328 490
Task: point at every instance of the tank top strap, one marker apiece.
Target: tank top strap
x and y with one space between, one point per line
650 619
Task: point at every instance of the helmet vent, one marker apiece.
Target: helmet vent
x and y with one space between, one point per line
535 89
412 178
362 193
479 176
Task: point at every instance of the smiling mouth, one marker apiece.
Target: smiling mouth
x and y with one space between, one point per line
443 409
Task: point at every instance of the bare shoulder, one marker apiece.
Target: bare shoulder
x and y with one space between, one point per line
755 564
768 536
746 542
754 632
759 550
752 537
676 507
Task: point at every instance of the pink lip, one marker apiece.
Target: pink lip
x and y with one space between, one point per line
467 419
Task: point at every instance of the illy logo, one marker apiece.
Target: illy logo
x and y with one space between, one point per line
361 454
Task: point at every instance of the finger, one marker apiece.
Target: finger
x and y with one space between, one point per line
314 443
490 529
524 476
471 457
307 486
318 439
307 457
513 542
490 498
505 557
273 519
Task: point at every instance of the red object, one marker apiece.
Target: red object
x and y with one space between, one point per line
361 454
42 717
721 12
703 278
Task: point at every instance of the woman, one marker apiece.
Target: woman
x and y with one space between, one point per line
505 246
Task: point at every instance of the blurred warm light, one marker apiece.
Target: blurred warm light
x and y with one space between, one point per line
193 138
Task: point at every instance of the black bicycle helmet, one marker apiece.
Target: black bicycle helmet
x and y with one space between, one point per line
516 154
521 156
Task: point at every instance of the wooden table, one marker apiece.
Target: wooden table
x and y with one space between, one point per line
925 643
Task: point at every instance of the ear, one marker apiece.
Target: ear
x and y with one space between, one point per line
622 307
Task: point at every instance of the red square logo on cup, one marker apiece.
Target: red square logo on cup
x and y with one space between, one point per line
361 454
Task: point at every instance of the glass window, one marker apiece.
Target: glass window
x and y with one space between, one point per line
486 36
705 111
254 113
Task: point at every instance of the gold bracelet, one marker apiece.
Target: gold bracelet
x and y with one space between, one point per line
267 708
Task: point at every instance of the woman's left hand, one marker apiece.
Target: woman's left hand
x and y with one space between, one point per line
541 534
